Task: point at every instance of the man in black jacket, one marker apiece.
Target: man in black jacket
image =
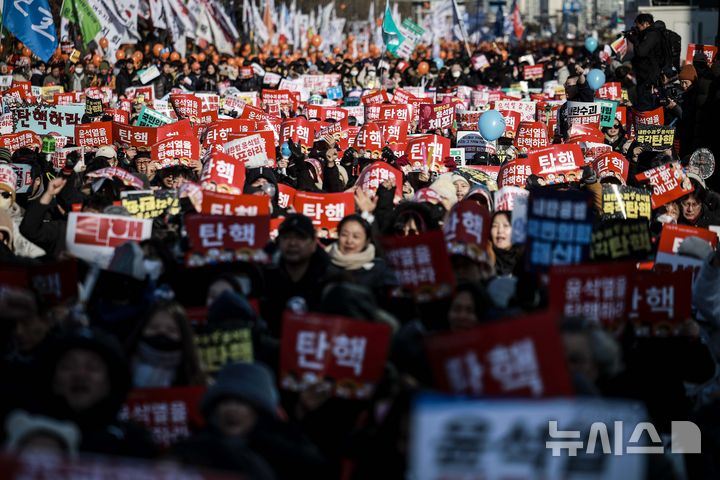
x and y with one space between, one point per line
648 41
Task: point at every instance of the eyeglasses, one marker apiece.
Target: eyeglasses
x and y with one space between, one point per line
5 195
690 205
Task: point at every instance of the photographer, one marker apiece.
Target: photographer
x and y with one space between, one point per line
649 58
688 127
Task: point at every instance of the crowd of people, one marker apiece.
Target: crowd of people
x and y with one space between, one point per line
69 365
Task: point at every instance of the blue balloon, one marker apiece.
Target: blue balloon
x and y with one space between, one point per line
285 149
491 125
439 62
591 44
595 78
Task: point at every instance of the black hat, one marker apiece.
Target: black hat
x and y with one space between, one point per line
296 222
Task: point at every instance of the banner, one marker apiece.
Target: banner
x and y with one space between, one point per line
583 113
54 282
298 130
533 72
660 303
42 119
557 164
710 52
151 118
224 238
170 414
219 132
218 345
610 91
375 174
252 149
611 164
467 230
186 105
94 236
428 152
31 21
607 112
241 205
652 117
621 239
559 228
421 265
623 202
512 123
525 109
514 173
222 173
669 182
175 150
505 198
671 236
23 139
151 203
436 117
531 136
467 120
127 178
348 353
516 357
325 209
94 135
460 438
657 137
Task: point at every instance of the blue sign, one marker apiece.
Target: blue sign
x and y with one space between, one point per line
334 93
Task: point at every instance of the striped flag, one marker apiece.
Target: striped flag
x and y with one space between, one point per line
517 23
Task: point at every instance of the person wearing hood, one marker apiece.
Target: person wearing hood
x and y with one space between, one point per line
615 135
505 255
88 379
245 433
21 246
263 181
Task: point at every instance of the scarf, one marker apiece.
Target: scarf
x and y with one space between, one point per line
351 261
153 367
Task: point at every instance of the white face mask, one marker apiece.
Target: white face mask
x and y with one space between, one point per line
353 73
79 71
456 73
154 268
371 74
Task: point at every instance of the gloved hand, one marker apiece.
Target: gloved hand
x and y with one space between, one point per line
589 176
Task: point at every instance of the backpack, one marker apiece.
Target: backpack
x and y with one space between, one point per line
671 50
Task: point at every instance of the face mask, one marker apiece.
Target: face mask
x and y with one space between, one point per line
456 73
353 73
162 343
79 71
371 74
154 268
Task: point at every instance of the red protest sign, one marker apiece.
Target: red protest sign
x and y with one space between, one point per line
512 123
421 264
376 173
531 135
436 117
186 105
24 139
222 173
660 303
325 209
217 203
652 117
611 164
138 137
467 230
278 101
94 236
428 152
532 72
94 135
557 163
520 357
672 236
377 96
585 133
176 149
370 138
669 183
401 96
610 91
219 132
599 293
286 195
147 93
123 175
170 414
298 130
514 173
118 115
467 120
710 52
242 236
253 113
318 347
54 282
395 112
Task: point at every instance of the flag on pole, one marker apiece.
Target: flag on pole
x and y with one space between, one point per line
390 33
517 23
32 23
619 46
459 26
